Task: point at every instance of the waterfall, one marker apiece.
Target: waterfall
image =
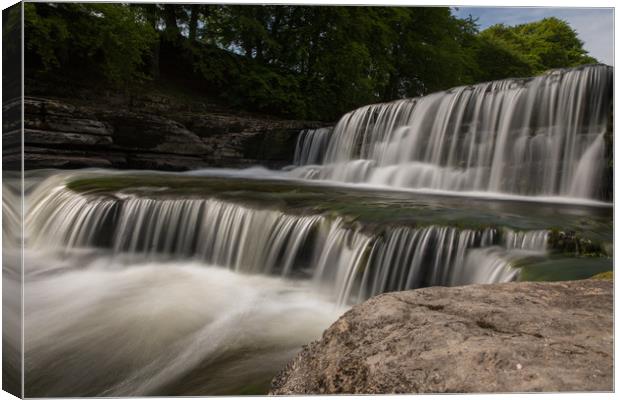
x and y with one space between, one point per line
210 281
350 260
311 146
531 137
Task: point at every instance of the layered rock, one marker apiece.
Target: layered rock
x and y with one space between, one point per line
514 337
153 134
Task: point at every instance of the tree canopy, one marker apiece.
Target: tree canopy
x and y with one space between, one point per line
542 45
298 61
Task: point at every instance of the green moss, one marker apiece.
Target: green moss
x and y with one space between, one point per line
604 276
572 243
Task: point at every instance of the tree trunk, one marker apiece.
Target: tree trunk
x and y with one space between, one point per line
193 21
170 17
155 59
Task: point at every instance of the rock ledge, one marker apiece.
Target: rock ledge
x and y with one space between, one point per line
151 134
514 337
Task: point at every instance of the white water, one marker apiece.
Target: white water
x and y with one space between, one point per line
149 295
532 137
311 146
347 260
112 327
153 295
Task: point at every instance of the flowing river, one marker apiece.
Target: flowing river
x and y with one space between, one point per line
209 281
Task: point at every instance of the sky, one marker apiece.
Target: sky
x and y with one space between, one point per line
594 26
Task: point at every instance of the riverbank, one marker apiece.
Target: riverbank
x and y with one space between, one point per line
513 337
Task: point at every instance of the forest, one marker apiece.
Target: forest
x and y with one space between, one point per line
305 62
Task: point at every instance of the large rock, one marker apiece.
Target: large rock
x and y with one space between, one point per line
514 337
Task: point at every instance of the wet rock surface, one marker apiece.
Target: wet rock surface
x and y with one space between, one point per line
514 337
151 133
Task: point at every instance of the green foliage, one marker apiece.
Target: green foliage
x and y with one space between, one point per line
41 32
496 60
545 44
314 62
109 40
266 90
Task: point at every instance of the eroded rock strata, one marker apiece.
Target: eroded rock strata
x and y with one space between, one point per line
151 134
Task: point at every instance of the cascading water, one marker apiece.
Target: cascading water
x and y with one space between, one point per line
354 261
147 293
153 288
311 146
538 136
126 296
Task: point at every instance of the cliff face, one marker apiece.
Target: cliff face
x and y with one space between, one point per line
515 337
151 133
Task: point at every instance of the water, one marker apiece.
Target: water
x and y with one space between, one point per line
350 259
311 146
114 327
543 136
209 282
145 291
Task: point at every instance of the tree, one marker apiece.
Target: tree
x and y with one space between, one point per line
496 60
545 44
313 62
107 40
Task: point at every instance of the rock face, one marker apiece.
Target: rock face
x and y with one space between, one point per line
148 133
515 337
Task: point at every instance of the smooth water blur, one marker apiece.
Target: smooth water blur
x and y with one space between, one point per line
311 146
107 314
98 325
147 283
348 259
12 325
208 282
543 136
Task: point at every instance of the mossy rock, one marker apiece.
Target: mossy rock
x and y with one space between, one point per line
604 276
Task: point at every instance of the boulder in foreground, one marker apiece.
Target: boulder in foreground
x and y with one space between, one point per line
514 337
